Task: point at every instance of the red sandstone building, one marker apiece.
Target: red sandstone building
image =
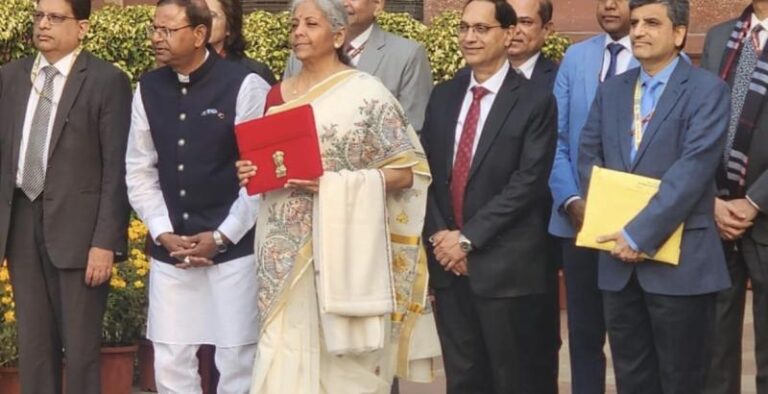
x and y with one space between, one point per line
573 17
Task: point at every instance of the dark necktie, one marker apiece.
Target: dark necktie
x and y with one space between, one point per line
33 177
463 160
744 69
614 49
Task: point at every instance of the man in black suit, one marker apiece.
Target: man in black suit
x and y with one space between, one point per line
740 212
64 210
534 24
490 140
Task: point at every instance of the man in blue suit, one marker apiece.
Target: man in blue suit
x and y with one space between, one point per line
668 121
583 68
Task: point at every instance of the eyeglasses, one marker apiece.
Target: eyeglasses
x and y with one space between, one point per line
479 29
164 32
54 19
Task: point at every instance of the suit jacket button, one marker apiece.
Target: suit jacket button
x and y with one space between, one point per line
185 216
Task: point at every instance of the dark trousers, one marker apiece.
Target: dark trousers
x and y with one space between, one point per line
496 345
660 344
54 309
724 377
586 323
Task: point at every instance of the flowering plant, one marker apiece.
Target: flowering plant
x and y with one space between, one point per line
9 352
126 313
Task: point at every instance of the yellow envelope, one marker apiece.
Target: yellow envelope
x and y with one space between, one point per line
613 200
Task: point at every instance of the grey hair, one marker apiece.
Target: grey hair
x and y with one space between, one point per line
677 10
334 10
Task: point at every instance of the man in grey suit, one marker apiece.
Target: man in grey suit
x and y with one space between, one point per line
668 121
400 64
733 50
64 117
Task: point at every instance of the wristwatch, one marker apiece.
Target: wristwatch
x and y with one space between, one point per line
465 244
221 246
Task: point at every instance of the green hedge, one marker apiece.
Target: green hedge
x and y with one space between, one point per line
117 34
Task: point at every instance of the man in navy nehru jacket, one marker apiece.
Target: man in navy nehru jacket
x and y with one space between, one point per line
182 183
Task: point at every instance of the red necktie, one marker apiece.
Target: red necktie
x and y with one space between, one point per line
463 160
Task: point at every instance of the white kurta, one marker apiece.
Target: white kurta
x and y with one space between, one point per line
212 305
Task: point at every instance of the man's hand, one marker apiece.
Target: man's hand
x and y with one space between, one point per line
731 220
99 267
447 250
622 250
174 243
575 211
748 211
461 268
200 254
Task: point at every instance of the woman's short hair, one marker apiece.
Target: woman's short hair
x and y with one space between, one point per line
333 10
234 42
336 14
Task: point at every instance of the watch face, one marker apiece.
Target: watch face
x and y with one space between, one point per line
465 246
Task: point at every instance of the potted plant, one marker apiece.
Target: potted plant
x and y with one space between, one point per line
126 313
9 352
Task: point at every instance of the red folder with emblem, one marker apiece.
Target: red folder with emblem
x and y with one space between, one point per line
282 146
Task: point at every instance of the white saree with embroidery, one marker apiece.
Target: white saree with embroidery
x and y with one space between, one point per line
342 273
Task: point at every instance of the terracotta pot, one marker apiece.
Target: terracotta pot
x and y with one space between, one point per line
9 380
146 366
117 369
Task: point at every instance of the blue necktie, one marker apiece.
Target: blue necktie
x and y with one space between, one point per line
613 48
647 106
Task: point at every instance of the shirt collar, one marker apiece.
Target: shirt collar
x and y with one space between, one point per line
362 38
64 65
662 76
624 41
756 22
185 78
493 84
527 67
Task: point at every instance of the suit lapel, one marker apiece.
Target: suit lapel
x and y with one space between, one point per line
667 102
373 52
625 104
593 66
503 103
20 110
543 67
453 109
68 96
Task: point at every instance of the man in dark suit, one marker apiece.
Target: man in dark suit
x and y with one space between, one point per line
534 24
668 121
732 50
490 137
65 211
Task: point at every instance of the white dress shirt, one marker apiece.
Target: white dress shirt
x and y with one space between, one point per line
493 84
143 179
622 60
358 41
763 35
64 65
527 67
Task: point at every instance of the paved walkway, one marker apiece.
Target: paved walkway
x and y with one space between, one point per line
747 378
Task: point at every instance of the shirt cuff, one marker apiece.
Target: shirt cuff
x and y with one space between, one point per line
630 241
754 204
159 225
233 229
569 201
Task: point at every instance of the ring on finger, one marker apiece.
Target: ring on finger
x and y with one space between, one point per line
186 260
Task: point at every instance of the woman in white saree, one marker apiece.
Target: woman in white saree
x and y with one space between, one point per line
342 273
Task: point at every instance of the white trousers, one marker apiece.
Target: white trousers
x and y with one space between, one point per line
176 368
